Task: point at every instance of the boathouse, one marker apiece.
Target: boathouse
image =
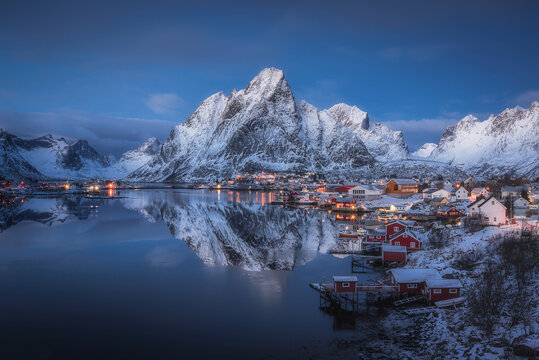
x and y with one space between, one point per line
345 284
442 289
392 253
412 280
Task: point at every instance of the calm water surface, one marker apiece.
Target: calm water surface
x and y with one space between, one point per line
164 274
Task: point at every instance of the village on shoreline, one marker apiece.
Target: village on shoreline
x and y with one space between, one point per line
438 241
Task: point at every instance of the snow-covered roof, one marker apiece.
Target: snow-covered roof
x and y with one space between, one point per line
345 278
488 199
409 223
438 199
405 181
414 275
407 231
393 248
375 232
443 283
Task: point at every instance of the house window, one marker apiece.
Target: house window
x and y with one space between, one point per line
405 235
437 291
412 244
492 202
412 286
397 243
395 187
345 285
395 228
494 219
452 291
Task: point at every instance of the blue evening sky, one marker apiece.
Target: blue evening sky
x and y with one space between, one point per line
116 73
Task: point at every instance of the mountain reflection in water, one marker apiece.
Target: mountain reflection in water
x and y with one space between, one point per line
238 229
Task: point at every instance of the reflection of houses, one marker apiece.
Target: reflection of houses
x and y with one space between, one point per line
345 203
489 209
365 192
401 188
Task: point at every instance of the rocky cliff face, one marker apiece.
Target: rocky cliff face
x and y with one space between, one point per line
262 127
383 143
503 144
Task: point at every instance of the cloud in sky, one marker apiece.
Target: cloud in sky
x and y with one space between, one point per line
107 134
526 98
165 104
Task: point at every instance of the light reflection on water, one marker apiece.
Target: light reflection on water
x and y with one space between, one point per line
164 272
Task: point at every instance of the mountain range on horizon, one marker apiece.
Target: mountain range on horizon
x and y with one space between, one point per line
265 128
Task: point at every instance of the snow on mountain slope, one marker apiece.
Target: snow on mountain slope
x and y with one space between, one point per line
133 159
12 165
262 127
424 151
503 144
383 143
56 159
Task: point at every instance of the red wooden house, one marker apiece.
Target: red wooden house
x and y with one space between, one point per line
399 225
442 289
344 284
406 237
450 211
346 203
412 281
375 236
392 253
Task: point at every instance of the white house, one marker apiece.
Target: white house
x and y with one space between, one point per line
458 193
435 193
365 192
513 191
477 192
490 209
521 203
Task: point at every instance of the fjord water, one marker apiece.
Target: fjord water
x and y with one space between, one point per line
164 274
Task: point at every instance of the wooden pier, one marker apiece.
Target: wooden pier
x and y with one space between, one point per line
348 301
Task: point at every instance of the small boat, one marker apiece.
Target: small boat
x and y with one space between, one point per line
349 234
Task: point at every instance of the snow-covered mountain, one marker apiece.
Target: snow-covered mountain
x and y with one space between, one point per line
57 159
12 165
133 159
54 158
503 144
383 143
262 127
229 233
424 151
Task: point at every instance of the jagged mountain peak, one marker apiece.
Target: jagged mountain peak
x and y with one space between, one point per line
266 80
503 144
351 116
